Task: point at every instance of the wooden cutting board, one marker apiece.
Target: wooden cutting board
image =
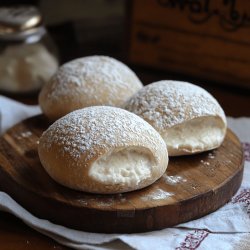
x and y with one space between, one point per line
192 186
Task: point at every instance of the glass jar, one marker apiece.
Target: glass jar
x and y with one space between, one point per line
28 56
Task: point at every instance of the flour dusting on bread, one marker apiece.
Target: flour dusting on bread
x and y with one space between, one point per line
189 118
103 149
88 81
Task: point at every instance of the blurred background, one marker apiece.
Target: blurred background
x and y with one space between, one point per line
204 42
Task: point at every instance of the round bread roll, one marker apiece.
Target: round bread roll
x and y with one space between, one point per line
88 81
104 150
188 118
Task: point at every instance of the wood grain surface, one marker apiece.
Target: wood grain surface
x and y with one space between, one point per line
204 39
191 187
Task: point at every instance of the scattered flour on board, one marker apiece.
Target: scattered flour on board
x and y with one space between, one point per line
211 156
22 135
106 203
158 194
205 162
26 134
173 179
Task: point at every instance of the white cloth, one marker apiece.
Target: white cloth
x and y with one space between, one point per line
227 228
12 112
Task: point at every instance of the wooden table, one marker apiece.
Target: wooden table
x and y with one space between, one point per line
14 234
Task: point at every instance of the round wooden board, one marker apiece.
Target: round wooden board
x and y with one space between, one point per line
192 186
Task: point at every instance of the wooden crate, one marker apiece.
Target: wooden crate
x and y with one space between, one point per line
205 39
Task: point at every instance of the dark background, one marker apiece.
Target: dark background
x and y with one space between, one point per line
100 27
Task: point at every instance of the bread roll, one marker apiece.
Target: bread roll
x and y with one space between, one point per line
188 118
103 150
88 81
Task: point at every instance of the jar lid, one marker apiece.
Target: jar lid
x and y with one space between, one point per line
19 22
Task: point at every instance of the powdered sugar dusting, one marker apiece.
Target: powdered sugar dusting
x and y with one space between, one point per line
167 103
92 130
89 76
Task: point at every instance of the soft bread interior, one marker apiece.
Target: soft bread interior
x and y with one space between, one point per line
196 135
126 167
